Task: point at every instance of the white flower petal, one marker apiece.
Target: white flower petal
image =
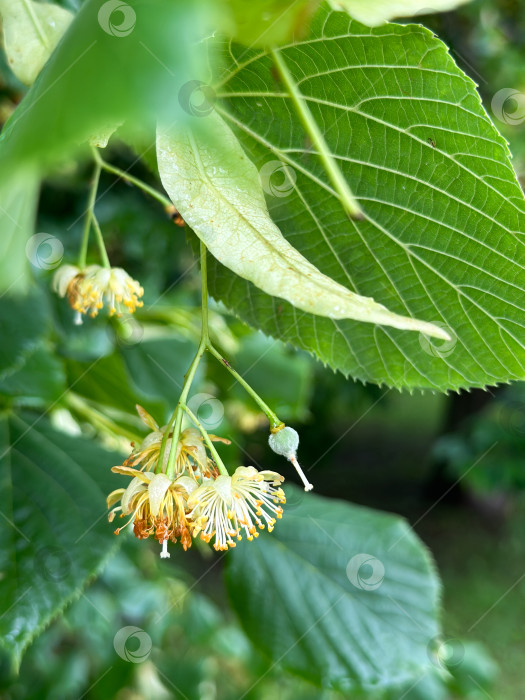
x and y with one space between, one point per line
63 277
188 484
135 485
157 488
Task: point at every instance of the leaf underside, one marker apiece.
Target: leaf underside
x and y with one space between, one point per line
217 191
442 238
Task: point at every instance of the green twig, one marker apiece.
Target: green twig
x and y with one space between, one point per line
100 242
132 180
175 423
275 423
207 440
334 172
89 217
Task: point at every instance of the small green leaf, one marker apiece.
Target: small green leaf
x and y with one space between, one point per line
217 190
31 32
375 12
344 596
55 536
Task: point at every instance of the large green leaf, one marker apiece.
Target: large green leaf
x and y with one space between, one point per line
345 596
442 237
55 537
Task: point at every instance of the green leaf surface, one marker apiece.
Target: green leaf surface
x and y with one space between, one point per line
442 237
344 596
23 320
55 535
266 22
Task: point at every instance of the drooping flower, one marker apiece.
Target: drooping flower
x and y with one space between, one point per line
156 504
90 289
231 505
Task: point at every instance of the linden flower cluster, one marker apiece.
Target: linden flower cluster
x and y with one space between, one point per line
198 500
89 289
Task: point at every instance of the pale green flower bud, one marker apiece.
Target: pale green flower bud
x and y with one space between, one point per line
285 442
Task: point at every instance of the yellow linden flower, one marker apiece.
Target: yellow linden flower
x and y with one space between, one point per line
229 505
90 289
157 506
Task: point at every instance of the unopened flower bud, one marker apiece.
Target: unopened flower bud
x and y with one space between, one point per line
285 442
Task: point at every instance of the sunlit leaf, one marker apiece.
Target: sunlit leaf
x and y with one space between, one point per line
31 32
374 12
